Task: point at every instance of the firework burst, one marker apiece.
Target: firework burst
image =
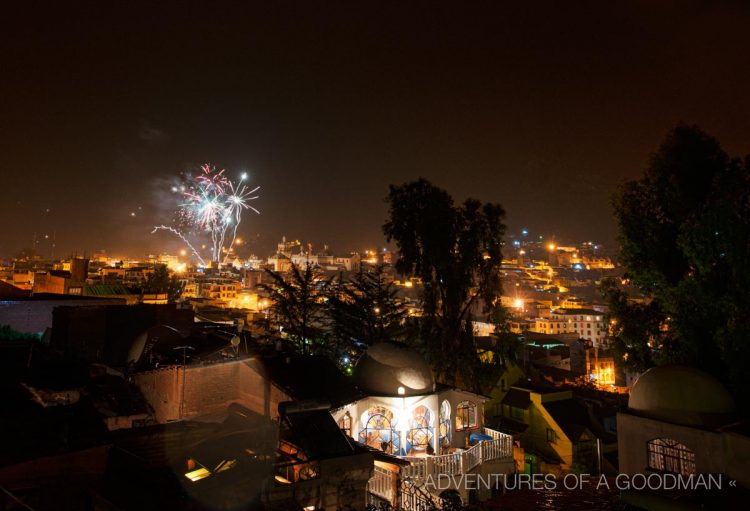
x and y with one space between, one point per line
212 204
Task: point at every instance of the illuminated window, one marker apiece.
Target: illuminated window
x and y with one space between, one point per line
379 431
466 415
445 429
345 423
667 455
419 436
198 474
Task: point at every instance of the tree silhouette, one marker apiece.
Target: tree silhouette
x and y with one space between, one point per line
363 310
684 231
456 251
297 312
160 282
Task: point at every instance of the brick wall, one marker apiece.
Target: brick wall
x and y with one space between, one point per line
209 390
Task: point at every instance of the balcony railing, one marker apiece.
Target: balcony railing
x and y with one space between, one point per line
382 484
499 448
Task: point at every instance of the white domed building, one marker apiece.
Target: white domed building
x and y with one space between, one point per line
681 420
405 413
437 428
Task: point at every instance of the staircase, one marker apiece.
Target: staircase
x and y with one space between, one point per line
433 468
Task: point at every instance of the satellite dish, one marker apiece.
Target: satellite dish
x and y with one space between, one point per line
136 349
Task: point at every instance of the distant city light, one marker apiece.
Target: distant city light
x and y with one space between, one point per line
525 232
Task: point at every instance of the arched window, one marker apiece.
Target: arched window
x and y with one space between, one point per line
445 429
466 415
379 430
345 423
667 455
420 434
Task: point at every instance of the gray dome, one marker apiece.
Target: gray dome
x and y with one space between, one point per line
682 395
388 366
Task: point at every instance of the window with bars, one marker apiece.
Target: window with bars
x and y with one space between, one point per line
667 455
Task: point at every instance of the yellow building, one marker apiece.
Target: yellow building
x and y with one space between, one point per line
553 429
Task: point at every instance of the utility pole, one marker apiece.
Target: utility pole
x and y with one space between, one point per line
184 371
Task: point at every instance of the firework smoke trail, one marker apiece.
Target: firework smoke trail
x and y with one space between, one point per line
179 234
213 204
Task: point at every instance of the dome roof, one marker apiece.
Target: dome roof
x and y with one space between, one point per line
389 366
681 395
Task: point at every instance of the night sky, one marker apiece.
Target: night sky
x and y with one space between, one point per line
542 109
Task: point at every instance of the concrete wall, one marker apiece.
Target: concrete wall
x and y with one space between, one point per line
737 457
634 432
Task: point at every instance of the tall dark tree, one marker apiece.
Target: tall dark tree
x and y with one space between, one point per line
457 253
297 312
160 282
684 231
365 309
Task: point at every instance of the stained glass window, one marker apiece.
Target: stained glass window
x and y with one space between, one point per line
445 429
466 415
667 455
419 436
379 430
